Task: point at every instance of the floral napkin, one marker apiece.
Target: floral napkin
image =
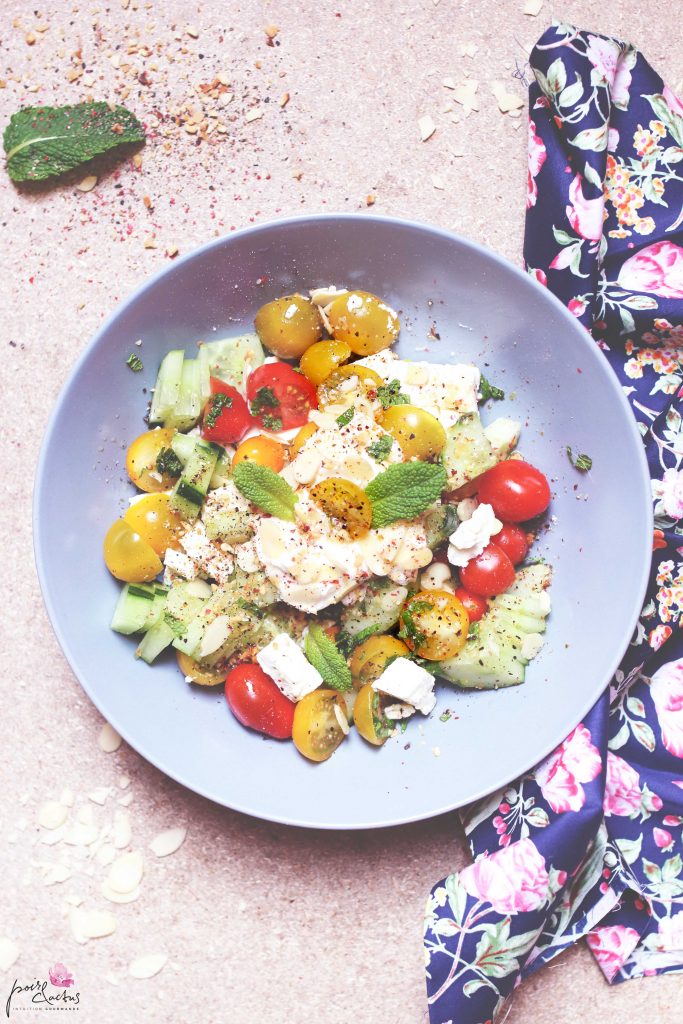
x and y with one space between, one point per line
590 842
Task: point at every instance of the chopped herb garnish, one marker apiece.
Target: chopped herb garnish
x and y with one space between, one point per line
390 394
251 608
134 362
346 417
581 462
409 629
444 716
488 390
473 630
381 448
381 724
348 643
265 398
217 403
168 463
272 422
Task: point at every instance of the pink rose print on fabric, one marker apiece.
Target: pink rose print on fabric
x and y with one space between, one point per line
513 880
537 155
586 216
560 776
622 787
666 690
612 946
657 268
610 68
672 493
673 102
663 839
670 933
577 306
60 977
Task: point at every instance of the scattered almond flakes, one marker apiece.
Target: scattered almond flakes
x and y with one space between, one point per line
126 872
147 966
30 39
507 101
427 127
271 31
172 251
9 953
284 99
370 199
126 800
109 740
192 32
122 829
438 182
532 8
119 897
466 94
57 874
253 115
448 83
99 795
168 842
91 924
52 814
469 50
81 834
150 242
124 780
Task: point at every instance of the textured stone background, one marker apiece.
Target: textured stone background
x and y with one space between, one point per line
259 922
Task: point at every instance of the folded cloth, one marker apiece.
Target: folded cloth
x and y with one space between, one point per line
589 843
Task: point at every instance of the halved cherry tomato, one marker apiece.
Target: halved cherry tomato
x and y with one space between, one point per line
347 381
474 605
515 490
434 624
226 417
369 718
370 658
256 702
128 556
308 430
141 460
317 730
201 675
156 522
265 451
321 359
489 574
279 397
345 504
512 539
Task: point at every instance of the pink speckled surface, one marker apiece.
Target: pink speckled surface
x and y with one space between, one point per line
259 922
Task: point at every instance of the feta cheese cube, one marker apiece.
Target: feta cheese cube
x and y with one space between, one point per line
284 661
409 683
180 564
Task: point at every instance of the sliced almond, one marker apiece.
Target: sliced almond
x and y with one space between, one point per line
192 32
119 897
168 842
87 184
57 874
52 814
9 953
341 719
109 740
105 855
147 966
91 924
81 835
427 127
532 8
253 115
216 634
438 182
507 101
99 795
122 830
126 872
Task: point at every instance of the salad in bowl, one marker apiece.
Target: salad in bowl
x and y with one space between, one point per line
325 529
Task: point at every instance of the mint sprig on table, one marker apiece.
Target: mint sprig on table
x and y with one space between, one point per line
324 655
404 491
263 487
41 142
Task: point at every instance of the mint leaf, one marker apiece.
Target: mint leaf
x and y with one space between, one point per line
323 654
41 142
381 448
409 628
134 362
390 394
346 417
488 390
580 462
404 491
347 642
266 489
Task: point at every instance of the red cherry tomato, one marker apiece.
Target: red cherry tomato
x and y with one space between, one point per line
279 397
226 417
515 490
512 539
489 574
474 605
256 702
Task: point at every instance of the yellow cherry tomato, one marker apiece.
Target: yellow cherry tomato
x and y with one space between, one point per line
156 522
363 321
199 674
317 729
369 717
370 658
345 504
434 624
288 326
263 450
141 460
318 361
419 434
347 381
128 556
308 430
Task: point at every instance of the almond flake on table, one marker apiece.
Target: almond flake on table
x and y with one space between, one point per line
147 966
123 781
192 32
122 830
532 8
52 814
53 837
466 94
469 50
81 834
507 101
126 800
88 183
9 953
91 924
105 855
427 127
108 740
253 115
126 872
119 897
99 795
57 874
168 842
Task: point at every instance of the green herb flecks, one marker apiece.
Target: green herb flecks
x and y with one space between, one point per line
404 491
390 394
167 463
217 403
382 725
265 488
265 398
134 362
347 643
346 417
581 462
445 716
273 423
380 449
41 142
251 608
488 390
473 631
325 656
409 629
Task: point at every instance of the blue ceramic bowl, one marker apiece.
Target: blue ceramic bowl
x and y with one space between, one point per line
484 310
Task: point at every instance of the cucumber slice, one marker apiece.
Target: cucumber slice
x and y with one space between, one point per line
155 640
190 490
468 452
503 435
381 608
167 387
227 515
439 523
134 609
183 604
233 359
183 445
187 409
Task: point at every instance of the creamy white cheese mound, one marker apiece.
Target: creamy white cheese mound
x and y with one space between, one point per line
284 661
409 683
473 535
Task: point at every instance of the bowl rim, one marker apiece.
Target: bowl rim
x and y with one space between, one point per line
641 477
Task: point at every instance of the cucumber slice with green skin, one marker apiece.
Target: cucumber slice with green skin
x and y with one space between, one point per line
183 445
233 359
167 387
467 453
191 488
155 640
381 609
134 609
185 413
244 623
503 435
227 515
183 604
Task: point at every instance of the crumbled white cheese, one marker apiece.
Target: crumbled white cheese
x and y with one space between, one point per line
209 559
323 296
471 537
247 557
180 564
395 712
284 661
447 391
437 576
409 683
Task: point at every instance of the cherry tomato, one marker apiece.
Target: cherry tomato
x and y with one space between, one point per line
256 702
156 522
489 574
128 556
363 321
345 504
201 675
321 359
265 451
141 460
515 490
279 397
226 417
512 540
369 717
370 658
434 624
288 326
419 434
474 605
317 730
308 430
347 382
